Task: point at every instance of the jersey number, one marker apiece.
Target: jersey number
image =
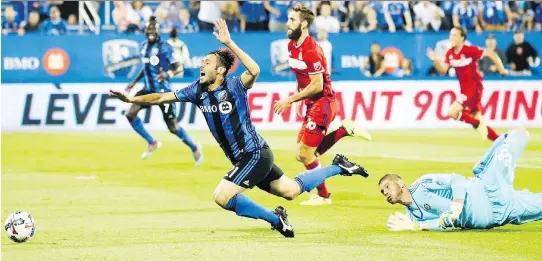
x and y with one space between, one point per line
232 171
311 125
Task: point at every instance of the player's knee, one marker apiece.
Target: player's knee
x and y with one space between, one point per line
221 199
290 195
172 129
298 156
305 157
130 117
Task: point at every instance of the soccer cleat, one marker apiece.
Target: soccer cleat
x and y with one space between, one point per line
349 168
317 200
198 155
355 131
283 226
150 149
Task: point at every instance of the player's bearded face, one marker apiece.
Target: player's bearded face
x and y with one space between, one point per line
207 70
391 190
294 28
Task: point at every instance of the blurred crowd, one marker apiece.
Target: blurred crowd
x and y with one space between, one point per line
60 17
178 17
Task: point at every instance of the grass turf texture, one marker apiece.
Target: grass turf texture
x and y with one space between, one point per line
162 208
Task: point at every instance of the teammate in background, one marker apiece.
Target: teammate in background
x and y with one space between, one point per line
464 58
159 64
224 104
308 62
445 201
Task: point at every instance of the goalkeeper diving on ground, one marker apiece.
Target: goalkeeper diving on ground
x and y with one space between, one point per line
445 201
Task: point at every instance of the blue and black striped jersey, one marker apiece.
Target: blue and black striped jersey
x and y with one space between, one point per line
227 113
155 56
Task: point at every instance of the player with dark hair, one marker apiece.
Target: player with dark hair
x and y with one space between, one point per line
464 58
159 64
224 104
487 200
309 64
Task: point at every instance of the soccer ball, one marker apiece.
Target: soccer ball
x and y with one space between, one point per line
20 226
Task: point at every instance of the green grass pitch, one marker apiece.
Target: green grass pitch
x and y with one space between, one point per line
162 208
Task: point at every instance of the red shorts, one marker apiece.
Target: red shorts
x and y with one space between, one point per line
471 99
319 116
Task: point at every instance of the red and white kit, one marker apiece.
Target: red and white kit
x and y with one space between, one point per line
465 62
306 59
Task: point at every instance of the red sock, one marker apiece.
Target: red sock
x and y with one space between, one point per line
491 134
330 140
322 189
468 118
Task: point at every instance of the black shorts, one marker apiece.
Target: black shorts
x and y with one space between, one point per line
255 169
168 110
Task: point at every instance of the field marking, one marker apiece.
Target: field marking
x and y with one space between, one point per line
85 177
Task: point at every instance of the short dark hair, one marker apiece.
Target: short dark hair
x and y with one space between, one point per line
462 31
305 13
173 33
224 58
389 176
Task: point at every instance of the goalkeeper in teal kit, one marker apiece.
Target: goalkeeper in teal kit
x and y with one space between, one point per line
487 200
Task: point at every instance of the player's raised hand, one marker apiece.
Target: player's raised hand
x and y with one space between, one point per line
223 34
431 54
119 95
282 105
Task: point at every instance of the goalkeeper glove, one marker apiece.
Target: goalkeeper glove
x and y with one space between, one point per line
447 218
400 222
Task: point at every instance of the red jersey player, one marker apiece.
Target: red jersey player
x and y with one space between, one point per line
308 63
464 58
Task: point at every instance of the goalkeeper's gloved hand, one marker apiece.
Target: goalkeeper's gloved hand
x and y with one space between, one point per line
400 222
446 220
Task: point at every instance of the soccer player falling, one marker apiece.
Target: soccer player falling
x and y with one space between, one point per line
159 65
308 62
224 104
487 200
464 58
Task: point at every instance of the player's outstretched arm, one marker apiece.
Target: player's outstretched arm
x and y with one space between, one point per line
149 99
494 57
401 222
253 70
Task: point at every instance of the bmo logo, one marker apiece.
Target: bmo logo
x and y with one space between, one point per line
224 107
21 63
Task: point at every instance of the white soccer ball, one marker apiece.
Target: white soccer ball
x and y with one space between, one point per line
20 226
